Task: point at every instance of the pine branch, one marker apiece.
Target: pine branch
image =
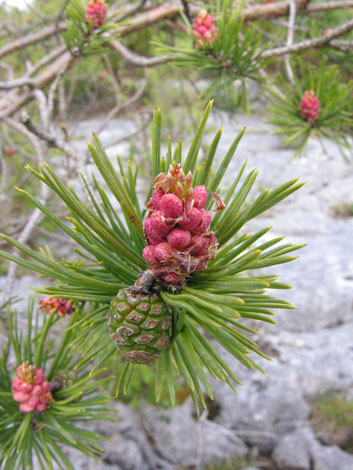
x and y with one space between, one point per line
136 59
320 41
31 38
322 6
50 139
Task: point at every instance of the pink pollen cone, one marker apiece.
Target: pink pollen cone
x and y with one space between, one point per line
171 206
158 224
148 254
156 199
191 222
31 389
205 221
151 233
310 106
163 251
199 244
200 196
179 238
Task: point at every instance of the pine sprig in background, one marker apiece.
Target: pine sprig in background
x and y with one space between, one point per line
77 396
334 120
230 60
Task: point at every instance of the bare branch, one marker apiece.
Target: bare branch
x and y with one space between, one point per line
290 38
50 139
341 45
9 104
33 139
160 13
52 55
31 38
136 59
329 6
17 83
42 107
271 10
310 43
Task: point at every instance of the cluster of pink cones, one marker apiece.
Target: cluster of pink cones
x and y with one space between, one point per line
205 30
96 11
177 229
310 106
62 307
31 389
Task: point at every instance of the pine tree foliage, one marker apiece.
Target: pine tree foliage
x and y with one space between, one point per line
81 38
218 300
334 96
230 61
77 398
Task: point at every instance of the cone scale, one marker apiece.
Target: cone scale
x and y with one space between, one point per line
139 324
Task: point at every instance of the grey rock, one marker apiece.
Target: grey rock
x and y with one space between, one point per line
125 453
180 439
331 458
265 404
264 442
21 290
322 281
106 466
301 451
321 361
308 364
294 450
129 424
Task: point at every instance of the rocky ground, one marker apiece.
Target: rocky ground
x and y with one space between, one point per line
311 346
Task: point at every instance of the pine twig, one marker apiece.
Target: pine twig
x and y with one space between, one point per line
290 38
136 59
320 41
31 38
340 4
50 139
17 83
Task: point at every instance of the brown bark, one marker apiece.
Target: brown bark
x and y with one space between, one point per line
310 43
31 38
272 10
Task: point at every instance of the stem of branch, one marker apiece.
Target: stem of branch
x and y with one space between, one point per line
310 43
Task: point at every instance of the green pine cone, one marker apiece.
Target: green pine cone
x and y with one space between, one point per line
139 325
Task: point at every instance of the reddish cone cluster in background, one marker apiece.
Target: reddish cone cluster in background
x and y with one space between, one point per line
310 106
9 151
61 306
205 30
177 229
31 389
96 11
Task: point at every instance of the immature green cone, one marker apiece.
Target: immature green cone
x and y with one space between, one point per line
139 325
